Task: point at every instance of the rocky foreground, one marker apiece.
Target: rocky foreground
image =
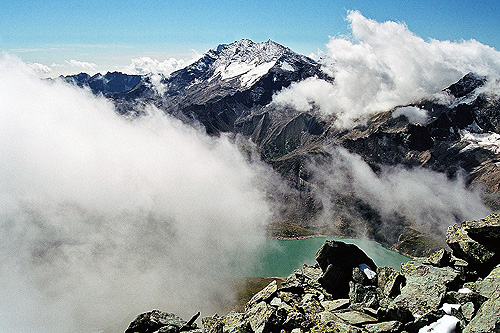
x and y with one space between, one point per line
346 292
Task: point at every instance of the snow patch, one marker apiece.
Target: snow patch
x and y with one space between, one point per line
368 272
287 67
464 291
490 141
249 72
445 324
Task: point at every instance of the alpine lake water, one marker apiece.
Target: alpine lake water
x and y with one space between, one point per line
282 257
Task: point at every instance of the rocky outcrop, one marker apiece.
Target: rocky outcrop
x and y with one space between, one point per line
438 293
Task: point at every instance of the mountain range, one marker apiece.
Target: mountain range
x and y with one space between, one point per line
230 89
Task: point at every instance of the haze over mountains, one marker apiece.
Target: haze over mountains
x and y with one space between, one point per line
382 135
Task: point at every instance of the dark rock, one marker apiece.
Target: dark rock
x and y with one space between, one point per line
337 260
401 314
363 294
152 321
424 320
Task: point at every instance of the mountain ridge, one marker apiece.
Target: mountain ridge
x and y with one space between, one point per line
231 87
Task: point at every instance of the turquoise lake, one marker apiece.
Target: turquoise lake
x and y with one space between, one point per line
282 257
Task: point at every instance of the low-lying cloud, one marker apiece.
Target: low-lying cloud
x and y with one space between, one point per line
423 199
385 65
81 64
104 217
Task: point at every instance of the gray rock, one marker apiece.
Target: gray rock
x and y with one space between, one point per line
383 327
389 281
259 314
356 317
468 310
477 242
425 287
487 318
487 286
440 258
334 305
265 294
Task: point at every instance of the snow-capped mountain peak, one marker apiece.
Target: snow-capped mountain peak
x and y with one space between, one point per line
245 59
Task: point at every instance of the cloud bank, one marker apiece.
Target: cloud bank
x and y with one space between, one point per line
428 201
384 65
103 217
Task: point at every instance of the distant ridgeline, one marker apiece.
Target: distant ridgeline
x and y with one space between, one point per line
230 89
346 292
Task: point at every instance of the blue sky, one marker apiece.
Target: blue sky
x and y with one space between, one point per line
110 33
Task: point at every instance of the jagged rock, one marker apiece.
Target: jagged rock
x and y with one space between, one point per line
337 260
440 258
259 314
152 321
335 326
336 304
491 283
366 295
264 295
426 319
425 287
389 281
212 324
310 305
360 277
468 310
487 318
383 327
477 242
356 317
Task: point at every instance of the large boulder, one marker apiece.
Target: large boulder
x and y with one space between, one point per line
477 242
425 288
337 261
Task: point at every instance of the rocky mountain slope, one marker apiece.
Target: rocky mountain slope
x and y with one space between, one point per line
346 292
230 89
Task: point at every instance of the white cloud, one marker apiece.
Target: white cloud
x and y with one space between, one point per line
40 68
156 69
82 64
414 114
103 218
427 200
385 65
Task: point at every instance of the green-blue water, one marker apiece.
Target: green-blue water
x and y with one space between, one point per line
282 257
